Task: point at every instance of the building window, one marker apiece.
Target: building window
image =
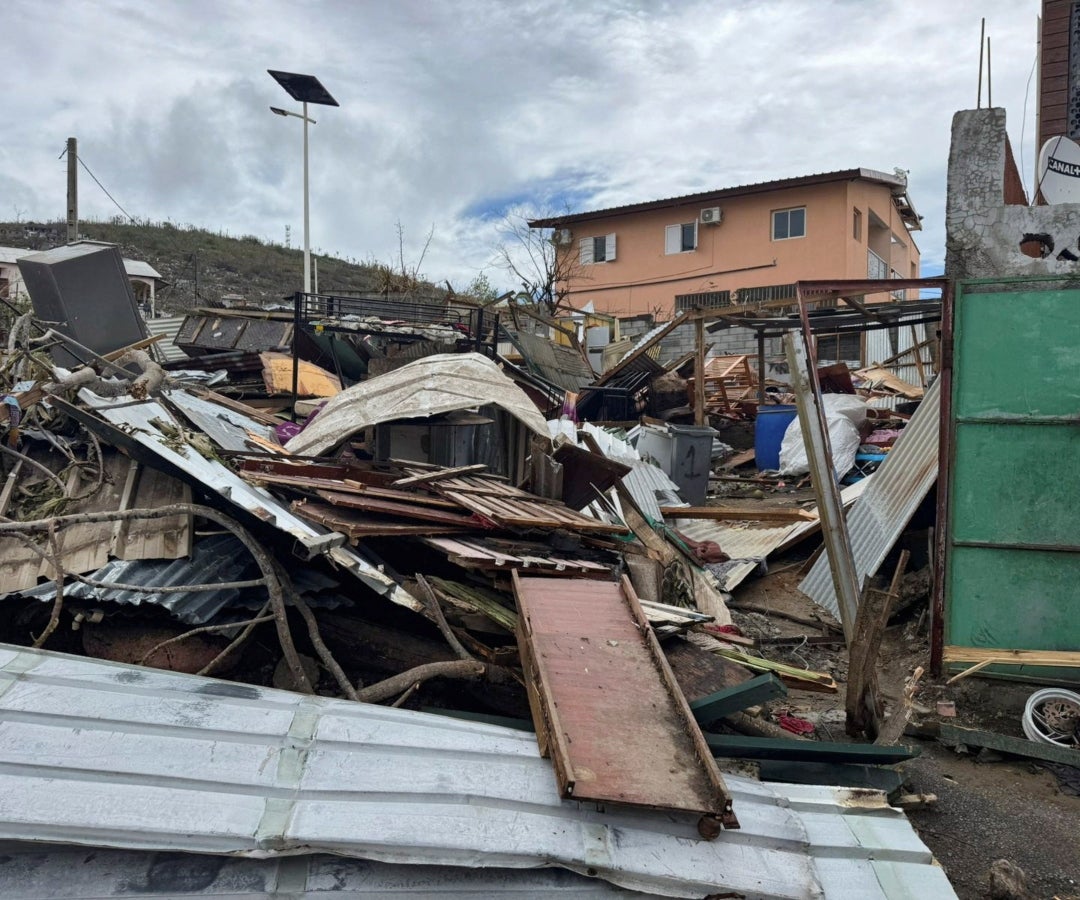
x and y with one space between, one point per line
597 249
837 347
789 223
856 225
680 238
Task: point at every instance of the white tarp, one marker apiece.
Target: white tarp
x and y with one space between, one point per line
428 387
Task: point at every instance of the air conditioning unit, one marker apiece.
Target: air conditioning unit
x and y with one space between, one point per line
714 215
563 237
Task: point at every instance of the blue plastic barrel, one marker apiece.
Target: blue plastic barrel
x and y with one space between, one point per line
772 422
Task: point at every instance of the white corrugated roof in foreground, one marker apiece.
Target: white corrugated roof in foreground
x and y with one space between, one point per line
899 485
108 755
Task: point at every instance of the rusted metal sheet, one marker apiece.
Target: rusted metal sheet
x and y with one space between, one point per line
606 705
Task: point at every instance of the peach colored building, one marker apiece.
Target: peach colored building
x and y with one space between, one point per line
737 245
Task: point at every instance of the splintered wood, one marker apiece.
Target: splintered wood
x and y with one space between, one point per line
605 703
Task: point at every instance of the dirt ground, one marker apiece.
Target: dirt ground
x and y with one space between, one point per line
988 807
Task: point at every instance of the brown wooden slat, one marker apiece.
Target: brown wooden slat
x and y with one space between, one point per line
605 702
397 509
355 524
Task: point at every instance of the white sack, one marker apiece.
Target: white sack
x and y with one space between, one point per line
844 414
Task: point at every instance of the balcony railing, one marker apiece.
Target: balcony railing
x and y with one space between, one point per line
876 267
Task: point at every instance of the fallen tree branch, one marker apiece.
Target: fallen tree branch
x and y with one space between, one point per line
261 616
440 619
203 629
39 466
317 642
58 603
461 669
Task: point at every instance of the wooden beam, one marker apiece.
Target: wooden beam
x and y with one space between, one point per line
1063 658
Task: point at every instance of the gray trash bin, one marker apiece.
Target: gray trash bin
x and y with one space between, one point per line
685 453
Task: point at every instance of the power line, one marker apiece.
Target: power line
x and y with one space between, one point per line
100 185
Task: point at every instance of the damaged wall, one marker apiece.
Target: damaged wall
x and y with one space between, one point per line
984 231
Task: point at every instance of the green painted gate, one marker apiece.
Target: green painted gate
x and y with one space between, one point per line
1012 571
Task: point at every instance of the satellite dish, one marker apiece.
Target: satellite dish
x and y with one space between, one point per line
1059 170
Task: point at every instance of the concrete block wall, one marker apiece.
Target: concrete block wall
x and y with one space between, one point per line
983 231
729 342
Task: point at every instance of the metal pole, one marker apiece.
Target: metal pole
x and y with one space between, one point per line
761 367
72 190
699 372
297 300
307 217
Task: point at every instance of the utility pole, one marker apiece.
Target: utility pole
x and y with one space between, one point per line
72 191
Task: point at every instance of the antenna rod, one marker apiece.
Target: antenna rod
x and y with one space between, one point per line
989 78
982 43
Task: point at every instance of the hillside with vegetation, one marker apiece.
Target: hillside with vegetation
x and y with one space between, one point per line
202 267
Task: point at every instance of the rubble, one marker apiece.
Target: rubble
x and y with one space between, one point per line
433 536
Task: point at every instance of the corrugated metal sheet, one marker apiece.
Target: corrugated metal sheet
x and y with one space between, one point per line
879 346
215 559
748 543
895 492
428 387
139 422
168 326
108 755
33 872
562 366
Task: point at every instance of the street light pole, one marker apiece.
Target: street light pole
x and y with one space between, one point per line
307 211
306 89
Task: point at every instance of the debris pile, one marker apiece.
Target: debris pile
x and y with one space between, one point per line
431 538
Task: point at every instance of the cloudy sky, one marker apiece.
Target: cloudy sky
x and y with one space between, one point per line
454 114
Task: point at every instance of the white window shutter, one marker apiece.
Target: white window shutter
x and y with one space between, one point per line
585 250
695 234
673 239
609 249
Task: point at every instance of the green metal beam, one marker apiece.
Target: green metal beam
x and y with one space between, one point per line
740 747
733 699
852 775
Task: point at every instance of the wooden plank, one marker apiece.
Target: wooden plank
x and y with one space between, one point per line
1064 658
740 747
739 459
737 514
441 475
370 504
614 720
733 699
356 525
